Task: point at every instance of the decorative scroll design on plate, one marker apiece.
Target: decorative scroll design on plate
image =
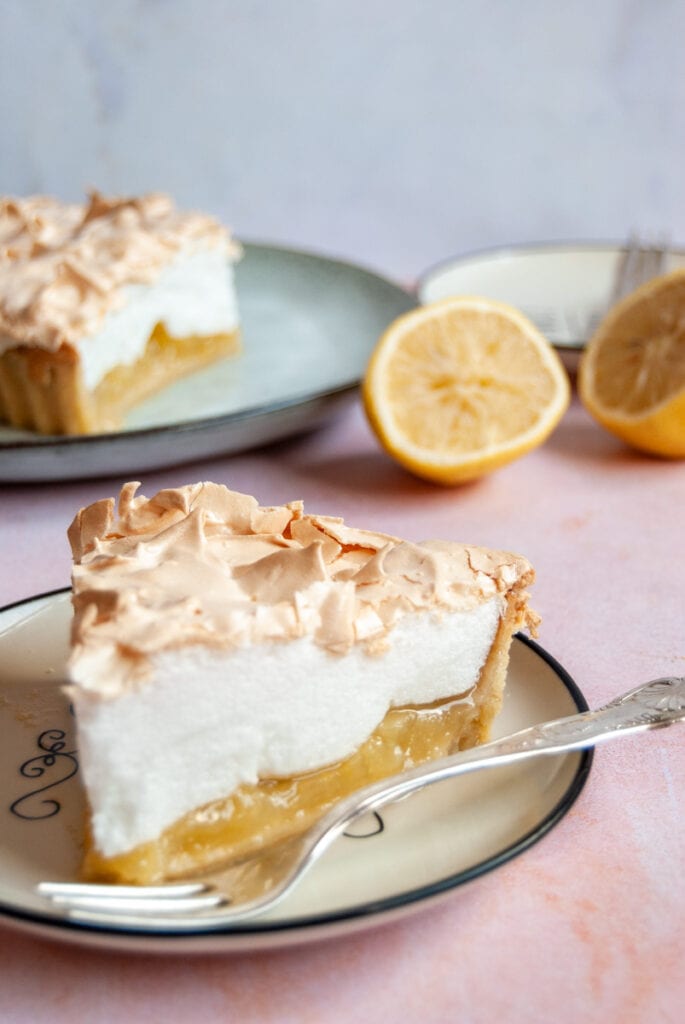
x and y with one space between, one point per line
51 743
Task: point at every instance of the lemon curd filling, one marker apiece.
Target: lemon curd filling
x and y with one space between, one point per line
257 816
44 391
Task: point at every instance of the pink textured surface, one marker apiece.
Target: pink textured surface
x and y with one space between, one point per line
589 924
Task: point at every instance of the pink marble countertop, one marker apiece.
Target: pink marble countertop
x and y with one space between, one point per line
589 924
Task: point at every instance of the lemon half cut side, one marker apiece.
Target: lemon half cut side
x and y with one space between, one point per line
459 387
631 376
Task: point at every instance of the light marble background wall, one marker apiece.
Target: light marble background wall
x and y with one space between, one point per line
391 132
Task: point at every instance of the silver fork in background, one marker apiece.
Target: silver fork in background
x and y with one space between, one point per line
250 888
637 263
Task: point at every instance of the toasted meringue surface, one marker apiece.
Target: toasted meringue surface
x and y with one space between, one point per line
201 564
65 266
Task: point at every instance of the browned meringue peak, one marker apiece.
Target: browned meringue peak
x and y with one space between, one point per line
204 564
63 266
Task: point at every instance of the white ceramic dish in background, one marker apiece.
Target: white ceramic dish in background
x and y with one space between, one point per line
564 288
436 841
308 324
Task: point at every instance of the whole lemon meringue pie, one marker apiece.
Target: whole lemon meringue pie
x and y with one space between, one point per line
104 303
236 669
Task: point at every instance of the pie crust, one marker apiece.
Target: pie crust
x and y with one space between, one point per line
43 391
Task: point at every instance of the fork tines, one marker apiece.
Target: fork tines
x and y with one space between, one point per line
638 263
137 899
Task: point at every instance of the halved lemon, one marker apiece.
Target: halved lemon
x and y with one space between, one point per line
632 374
460 387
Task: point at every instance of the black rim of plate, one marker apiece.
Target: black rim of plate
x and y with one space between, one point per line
315 922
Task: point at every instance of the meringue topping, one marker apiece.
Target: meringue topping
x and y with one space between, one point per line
64 266
202 564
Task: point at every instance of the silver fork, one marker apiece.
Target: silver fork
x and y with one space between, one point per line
254 886
639 262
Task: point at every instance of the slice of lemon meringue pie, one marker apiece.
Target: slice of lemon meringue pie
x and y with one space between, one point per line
236 669
104 303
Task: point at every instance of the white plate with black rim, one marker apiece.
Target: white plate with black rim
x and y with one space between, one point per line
563 287
434 842
308 323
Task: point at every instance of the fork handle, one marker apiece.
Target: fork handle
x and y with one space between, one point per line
653 705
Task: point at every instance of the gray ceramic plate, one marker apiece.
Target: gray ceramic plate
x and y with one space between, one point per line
309 325
420 850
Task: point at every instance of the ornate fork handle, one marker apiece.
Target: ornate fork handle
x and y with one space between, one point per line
656 704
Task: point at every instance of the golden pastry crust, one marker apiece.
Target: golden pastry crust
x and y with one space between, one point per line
43 391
